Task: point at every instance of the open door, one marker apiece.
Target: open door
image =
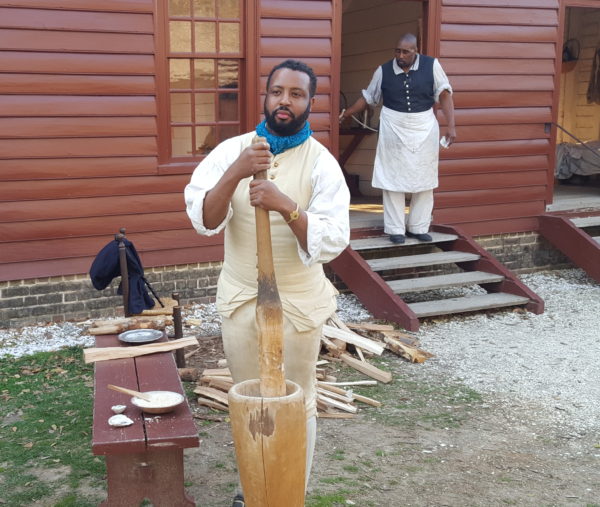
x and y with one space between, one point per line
577 165
369 35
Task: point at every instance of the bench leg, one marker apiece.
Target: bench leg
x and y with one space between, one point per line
153 475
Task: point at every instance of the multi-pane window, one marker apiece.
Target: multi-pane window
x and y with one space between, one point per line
204 56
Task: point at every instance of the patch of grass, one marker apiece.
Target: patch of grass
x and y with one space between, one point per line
46 428
326 499
350 468
338 454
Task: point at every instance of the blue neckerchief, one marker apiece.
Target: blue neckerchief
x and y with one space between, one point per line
278 144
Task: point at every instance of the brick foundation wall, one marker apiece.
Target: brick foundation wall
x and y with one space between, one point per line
56 299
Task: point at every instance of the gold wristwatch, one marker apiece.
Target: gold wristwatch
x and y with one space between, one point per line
294 215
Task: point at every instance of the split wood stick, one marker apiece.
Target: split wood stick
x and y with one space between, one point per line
333 389
339 415
127 320
191 352
321 362
102 354
346 407
223 385
217 372
354 339
352 383
368 401
212 404
360 354
223 378
351 394
367 369
331 347
413 354
336 396
211 393
369 326
403 337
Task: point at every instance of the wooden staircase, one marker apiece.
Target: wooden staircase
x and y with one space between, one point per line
378 272
577 236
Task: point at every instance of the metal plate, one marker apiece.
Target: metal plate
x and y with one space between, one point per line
140 335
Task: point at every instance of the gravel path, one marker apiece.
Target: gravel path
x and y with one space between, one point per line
550 361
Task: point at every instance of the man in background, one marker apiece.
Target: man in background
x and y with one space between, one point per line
407 155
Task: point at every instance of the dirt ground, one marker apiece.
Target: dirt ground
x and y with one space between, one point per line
432 443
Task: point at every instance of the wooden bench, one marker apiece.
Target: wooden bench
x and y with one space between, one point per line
144 460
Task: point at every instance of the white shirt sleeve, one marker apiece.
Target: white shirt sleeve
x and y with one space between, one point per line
373 92
440 80
204 178
327 213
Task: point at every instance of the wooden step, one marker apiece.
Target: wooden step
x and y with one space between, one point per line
586 221
467 304
441 281
413 261
384 241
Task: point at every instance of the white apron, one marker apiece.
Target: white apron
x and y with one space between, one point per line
407 151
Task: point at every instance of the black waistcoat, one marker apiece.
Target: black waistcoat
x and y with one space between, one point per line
408 92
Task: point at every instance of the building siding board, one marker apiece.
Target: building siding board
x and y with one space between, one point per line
101 225
54 209
91 187
75 106
62 168
46 19
88 5
76 63
500 58
45 127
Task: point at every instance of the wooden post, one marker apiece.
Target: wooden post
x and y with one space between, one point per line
124 271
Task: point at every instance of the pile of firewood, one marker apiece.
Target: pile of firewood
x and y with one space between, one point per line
351 344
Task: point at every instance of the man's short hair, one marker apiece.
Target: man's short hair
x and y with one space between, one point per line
299 66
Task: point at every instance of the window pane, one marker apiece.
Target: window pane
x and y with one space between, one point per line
204 8
181 107
179 73
227 131
228 106
205 107
204 73
180 36
181 141
229 8
179 8
205 139
205 37
228 73
229 37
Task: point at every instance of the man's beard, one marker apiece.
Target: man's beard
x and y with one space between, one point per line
289 128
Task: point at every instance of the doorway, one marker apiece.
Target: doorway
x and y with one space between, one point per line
577 166
370 31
